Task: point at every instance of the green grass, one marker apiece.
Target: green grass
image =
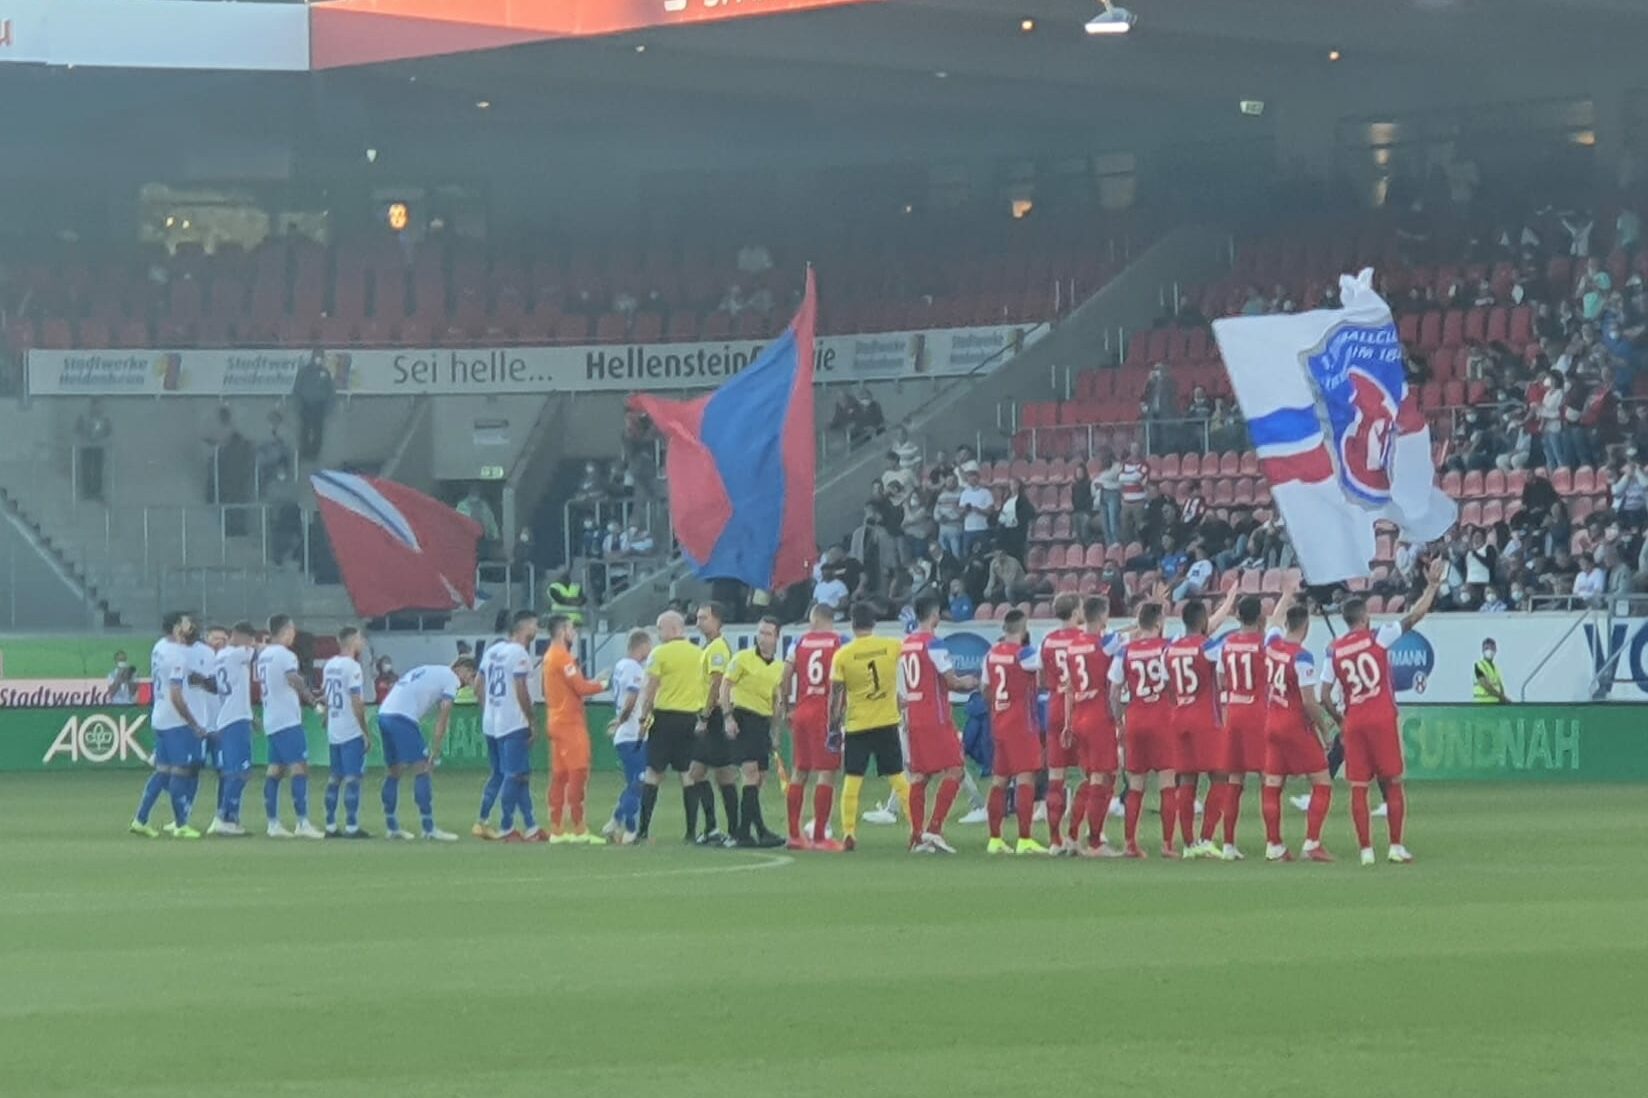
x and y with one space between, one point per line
1509 961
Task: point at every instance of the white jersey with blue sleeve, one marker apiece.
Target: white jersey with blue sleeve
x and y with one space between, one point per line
233 670
628 677
341 684
282 707
506 664
203 702
418 691
168 667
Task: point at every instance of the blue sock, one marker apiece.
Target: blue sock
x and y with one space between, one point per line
179 789
507 804
192 789
523 797
151 793
300 795
222 794
391 802
489 795
351 803
271 799
233 787
423 791
331 798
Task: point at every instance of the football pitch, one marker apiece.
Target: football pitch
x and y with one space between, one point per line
1512 959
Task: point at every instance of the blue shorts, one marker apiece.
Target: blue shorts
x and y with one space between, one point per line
288 747
347 760
179 747
234 748
402 740
515 752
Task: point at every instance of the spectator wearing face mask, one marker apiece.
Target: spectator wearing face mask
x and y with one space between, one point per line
1489 687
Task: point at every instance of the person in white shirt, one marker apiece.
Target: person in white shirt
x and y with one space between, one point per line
977 505
343 694
200 689
908 451
628 678
414 695
285 695
1197 577
1590 584
232 670
122 681
507 723
179 734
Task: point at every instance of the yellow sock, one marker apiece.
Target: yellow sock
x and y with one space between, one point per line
901 786
849 804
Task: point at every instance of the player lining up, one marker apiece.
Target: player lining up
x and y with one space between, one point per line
507 724
565 689
232 668
1010 680
926 678
864 705
815 751
285 695
344 703
1191 664
414 695
1140 669
179 733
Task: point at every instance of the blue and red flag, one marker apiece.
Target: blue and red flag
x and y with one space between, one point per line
741 467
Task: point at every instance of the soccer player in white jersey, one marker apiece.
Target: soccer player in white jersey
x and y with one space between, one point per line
179 733
348 741
202 694
507 724
233 731
431 687
285 694
629 678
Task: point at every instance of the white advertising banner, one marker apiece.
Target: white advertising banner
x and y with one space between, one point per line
155 34
621 367
1547 658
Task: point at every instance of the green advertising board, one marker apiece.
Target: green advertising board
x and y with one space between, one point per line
1592 743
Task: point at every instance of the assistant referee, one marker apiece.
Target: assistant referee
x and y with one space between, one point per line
749 694
673 700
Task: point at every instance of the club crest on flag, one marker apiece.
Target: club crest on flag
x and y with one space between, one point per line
1358 369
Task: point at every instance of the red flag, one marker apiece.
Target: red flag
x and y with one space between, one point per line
397 548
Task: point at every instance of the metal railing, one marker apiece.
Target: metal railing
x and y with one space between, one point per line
1161 436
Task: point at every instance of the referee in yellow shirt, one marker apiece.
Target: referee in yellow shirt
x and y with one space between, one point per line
749 695
673 703
864 705
712 752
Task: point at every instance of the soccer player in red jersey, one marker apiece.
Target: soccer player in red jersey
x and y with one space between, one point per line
1010 693
1293 741
1147 726
1359 664
805 691
1063 747
1092 725
925 679
1243 691
1190 664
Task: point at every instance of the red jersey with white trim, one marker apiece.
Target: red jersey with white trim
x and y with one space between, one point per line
1010 682
1242 673
1359 664
1055 662
1090 657
1142 666
812 658
1289 669
923 662
1195 682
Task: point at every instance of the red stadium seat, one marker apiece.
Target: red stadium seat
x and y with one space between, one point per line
1470 514
1493 511
1493 484
1585 481
1563 481
984 611
1471 487
1451 483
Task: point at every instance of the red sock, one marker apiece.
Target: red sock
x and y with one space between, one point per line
1359 816
947 790
794 797
1271 800
1396 804
1210 813
1135 805
1187 811
1025 803
1230 810
823 801
918 809
1099 796
1057 798
1078 811
1321 796
996 806
1170 814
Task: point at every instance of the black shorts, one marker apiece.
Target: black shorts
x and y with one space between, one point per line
713 749
754 742
670 741
880 744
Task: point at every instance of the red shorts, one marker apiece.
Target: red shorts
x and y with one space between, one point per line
1096 742
1060 757
1201 746
1292 751
809 737
933 749
1373 748
1150 747
1016 754
1244 740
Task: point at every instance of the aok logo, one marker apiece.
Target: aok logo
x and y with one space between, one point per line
99 739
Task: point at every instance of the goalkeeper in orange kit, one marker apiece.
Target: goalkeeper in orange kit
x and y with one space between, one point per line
565 689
